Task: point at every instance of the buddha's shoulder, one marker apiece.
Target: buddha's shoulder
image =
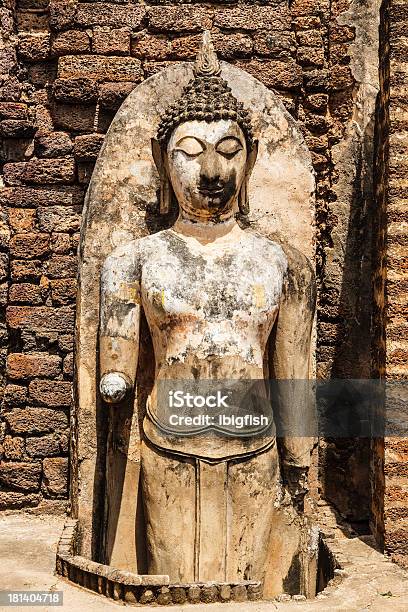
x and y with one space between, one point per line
133 249
263 246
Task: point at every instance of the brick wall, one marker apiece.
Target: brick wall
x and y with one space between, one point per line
392 515
68 66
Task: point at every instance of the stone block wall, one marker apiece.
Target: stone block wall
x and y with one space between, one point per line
66 67
390 512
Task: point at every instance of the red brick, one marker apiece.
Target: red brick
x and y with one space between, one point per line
34 47
62 14
22 219
340 53
75 90
307 23
29 421
342 33
317 80
111 42
59 218
254 18
53 144
16 128
105 14
28 21
63 291
70 42
29 245
307 7
15 395
43 446
13 110
310 38
25 293
3 303
42 74
76 118
111 95
310 56
26 270
150 46
52 393
68 365
274 43
55 477
62 266
4 266
12 500
151 68
66 343
13 448
180 18
23 366
10 90
41 196
317 102
341 77
43 318
85 170
274 73
60 243
20 476
7 59
87 147
39 171
100 68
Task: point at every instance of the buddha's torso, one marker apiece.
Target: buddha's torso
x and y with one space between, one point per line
210 308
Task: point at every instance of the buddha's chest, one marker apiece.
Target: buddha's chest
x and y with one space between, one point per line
216 288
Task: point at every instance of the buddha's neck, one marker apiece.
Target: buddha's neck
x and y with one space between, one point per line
206 231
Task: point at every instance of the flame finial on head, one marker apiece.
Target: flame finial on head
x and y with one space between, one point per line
207 63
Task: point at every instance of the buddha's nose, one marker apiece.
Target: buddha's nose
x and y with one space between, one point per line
210 171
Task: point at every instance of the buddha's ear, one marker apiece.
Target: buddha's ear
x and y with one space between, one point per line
158 156
243 199
252 155
165 188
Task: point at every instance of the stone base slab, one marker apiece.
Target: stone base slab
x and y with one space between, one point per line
142 589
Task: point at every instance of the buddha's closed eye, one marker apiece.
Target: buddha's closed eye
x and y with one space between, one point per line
192 147
228 147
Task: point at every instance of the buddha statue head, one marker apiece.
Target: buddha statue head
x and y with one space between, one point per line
205 149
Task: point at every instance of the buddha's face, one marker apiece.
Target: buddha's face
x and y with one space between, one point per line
206 164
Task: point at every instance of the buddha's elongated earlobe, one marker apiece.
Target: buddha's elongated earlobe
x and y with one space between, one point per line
243 196
243 201
165 187
165 194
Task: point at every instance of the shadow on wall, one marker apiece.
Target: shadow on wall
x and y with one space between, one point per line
345 462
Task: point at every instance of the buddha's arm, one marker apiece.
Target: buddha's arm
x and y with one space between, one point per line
119 326
290 362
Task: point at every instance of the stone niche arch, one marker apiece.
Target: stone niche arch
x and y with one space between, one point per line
122 204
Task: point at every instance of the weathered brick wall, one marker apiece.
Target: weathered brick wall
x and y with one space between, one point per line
68 65
392 514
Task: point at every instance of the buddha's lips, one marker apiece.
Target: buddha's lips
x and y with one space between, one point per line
209 192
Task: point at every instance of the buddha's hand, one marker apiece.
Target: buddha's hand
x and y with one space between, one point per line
295 480
113 387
